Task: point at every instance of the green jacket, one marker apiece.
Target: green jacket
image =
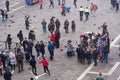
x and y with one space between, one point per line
100 78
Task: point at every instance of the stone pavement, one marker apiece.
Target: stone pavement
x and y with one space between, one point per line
64 68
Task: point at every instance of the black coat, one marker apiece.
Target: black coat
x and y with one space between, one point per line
7 75
32 63
42 48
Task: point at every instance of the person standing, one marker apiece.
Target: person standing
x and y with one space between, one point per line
117 6
69 48
3 59
30 46
104 26
42 48
66 25
7 4
113 2
27 54
81 11
24 43
9 41
51 4
95 56
63 10
45 64
74 2
7 75
31 36
93 9
63 1
20 36
86 11
27 22
73 26
44 23
51 49
3 15
19 58
57 22
41 3
105 52
57 42
32 63
100 77
12 60
59 2
37 47
1 66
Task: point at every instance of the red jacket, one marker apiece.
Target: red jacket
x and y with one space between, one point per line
44 62
63 7
53 37
94 7
40 1
1 64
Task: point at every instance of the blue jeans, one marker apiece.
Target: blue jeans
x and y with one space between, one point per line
3 18
44 29
95 61
105 57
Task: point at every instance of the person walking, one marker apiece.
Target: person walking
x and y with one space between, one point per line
7 4
51 50
87 12
51 4
41 3
73 26
81 11
32 63
45 64
74 2
9 41
66 26
7 75
20 36
44 23
100 77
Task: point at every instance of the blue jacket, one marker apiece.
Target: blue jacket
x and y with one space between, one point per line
51 47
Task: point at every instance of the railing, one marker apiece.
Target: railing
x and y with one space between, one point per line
4 46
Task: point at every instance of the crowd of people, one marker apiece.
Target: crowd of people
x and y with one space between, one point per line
92 46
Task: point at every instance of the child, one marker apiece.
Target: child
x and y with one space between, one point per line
45 65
